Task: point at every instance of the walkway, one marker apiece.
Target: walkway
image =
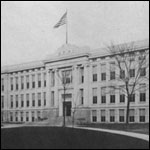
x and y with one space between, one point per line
131 134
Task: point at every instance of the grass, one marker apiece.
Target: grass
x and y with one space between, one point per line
137 128
66 138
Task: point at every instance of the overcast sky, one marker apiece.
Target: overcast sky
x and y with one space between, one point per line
27 32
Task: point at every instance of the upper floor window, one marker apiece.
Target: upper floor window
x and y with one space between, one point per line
82 75
39 80
44 96
122 74
44 79
33 81
94 73
67 76
11 84
2 102
81 96
103 72
53 79
132 73
17 86
142 92
103 95
27 81
143 72
112 71
22 82
94 95
2 84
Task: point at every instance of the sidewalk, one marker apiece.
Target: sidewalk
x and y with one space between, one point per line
131 134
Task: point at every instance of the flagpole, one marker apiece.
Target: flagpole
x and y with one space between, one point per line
67 27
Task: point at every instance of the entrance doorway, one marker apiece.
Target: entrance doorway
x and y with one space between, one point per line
67 108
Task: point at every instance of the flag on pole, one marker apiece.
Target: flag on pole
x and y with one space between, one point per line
62 21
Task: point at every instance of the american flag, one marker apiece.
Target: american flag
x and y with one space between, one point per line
62 21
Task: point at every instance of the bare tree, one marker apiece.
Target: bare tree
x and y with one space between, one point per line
133 68
65 81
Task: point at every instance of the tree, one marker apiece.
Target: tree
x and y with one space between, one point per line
133 67
65 79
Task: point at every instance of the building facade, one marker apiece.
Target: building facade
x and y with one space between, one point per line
34 91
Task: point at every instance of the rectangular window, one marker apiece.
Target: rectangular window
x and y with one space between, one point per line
121 115
33 116
33 81
112 115
103 93
2 84
132 73
17 103
122 74
131 115
112 75
103 72
143 72
94 116
21 116
132 98
27 116
122 95
2 102
142 115
112 71
67 76
27 81
28 101
53 78
39 99
81 96
33 100
11 103
94 95
44 79
142 92
22 100
44 98
16 115
17 83
11 84
11 116
94 73
103 115
82 75
112 95
52 98
39 80
22 82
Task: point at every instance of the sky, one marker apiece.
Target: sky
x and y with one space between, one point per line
27 32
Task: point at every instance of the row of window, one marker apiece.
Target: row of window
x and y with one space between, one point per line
26 116
14 100
14 82
112 117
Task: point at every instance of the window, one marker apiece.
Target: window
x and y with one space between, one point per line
21 116
121 115
94 116
94 73
16 83
142 115
2 84
39 115
112 115
103 115
44 98
17 101
81 97
11 103
67 76
112 95
131 115
16 115
94 95
39 80
132 73
11 84
22 100
27 81
112 71
132 97
33 81
103 93
122 95
11 116
2 102
22 82
52 98
44 79
28 102
39 99
103 72
33 100
33 116
143 72
142 92
53 78
27 116
82 75
122 74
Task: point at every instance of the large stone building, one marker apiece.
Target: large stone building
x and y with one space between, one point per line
34 91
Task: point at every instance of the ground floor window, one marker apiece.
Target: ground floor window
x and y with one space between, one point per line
94 116
132 115
112 115
103 115
121 115
142 115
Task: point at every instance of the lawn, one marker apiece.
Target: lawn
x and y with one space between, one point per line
66 138
137 128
